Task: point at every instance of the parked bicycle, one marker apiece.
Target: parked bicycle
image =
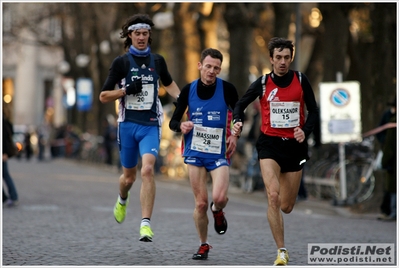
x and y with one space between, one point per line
324 176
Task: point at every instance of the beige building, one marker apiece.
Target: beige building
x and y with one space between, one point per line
30 66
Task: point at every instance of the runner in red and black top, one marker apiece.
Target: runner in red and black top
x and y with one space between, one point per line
282 146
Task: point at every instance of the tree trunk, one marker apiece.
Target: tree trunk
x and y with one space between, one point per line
238 24
383 75
335 40
208 25
282 18
187 43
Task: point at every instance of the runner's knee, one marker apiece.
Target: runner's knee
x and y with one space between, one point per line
220 200
201 206
147 171
286 208
128 179
274 199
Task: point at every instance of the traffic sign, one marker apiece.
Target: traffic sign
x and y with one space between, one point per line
340 112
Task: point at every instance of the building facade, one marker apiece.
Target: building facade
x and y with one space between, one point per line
31 86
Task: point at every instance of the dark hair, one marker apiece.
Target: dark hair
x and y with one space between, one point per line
214 53
280 43
137 18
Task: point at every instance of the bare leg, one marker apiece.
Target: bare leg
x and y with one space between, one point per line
147 191
220 186
126 181
289 187
270 173
198 179
282 190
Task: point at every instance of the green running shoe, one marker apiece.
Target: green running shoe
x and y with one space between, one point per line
120 210
146 234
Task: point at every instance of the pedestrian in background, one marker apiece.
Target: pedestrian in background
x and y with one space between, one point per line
385 206
109 135
5 197
388 162
28 145
282 145
207 143
137 74
9 150
386 118
41 143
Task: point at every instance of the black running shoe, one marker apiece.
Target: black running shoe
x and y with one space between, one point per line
202 253
220 221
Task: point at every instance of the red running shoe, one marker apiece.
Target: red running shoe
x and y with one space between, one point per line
220 221
202 253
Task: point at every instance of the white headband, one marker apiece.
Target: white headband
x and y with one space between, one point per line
137 26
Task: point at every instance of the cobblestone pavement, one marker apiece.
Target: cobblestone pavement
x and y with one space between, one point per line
65 218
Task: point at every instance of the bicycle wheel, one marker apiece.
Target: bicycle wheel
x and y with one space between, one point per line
322 185
358 187
366 180
352 180
312 187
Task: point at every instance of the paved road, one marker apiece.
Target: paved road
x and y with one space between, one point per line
65 218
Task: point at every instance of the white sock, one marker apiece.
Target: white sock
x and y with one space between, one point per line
145 222
213 207
123 202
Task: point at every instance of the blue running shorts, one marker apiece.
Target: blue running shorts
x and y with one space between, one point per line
135 139
208 163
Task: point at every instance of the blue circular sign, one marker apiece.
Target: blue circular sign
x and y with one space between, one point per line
340 97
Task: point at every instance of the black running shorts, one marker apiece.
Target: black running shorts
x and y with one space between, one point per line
288 153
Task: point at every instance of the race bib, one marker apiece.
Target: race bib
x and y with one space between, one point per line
142 100
284 114
207 140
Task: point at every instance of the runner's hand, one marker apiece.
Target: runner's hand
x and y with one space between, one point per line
135 87
186 127
237 127
231 145
299 135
